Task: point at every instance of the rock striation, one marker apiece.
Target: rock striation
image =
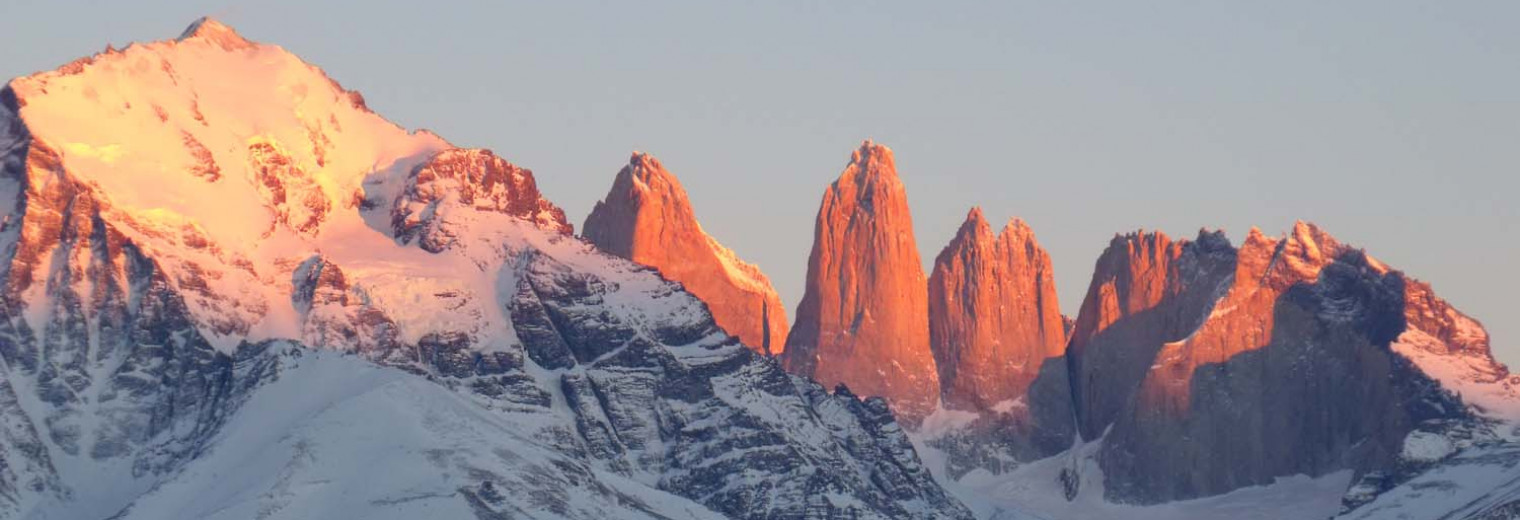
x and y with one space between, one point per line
863 319
1206 368
994 318
647 217
1146 290
999 341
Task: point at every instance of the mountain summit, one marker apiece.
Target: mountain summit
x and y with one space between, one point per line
646 217
864 316
993 315
210 30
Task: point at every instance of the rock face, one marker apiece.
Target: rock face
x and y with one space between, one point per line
363 288
1147 290
1280 365
647 218
204 237
863 320
1453 349
999 341
994 318
473 179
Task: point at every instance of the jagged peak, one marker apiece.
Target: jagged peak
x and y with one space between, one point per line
1213 240
974 228
210 30
871 170
644 161
645 175
872 153
1255 235
1312 236
975 215
1311 246
975 219
1139 237
644 167
1017 228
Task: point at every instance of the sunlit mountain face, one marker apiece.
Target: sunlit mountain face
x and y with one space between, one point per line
231 290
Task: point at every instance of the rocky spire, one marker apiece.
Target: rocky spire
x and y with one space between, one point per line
993 314
1146 290
863 320
646 217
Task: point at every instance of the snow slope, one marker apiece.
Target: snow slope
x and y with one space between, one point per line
306 446
1477 482
1035 491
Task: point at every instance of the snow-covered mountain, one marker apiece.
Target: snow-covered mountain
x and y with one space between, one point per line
233 291
230 290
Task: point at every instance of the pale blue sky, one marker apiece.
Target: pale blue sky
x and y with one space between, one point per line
1395 125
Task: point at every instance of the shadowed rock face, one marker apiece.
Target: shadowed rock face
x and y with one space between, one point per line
1277 366
993 315
646 217
863 320
116 326
1323 394
1146 291
1243 318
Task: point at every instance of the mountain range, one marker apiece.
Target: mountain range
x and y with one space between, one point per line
231 290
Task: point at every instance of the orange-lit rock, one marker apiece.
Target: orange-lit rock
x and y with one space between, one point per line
993 315
1146 290
1298 355
1243 319
863 320
646 217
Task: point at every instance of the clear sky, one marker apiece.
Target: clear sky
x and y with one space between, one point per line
1394 125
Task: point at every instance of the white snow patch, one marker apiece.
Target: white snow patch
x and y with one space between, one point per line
1476 378
943 421
1034 492
1427 447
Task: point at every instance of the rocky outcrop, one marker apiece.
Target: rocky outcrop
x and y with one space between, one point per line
477 180
863 320
999 341
993 315
337 315
1286 367
1147 290
291 193
646 217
